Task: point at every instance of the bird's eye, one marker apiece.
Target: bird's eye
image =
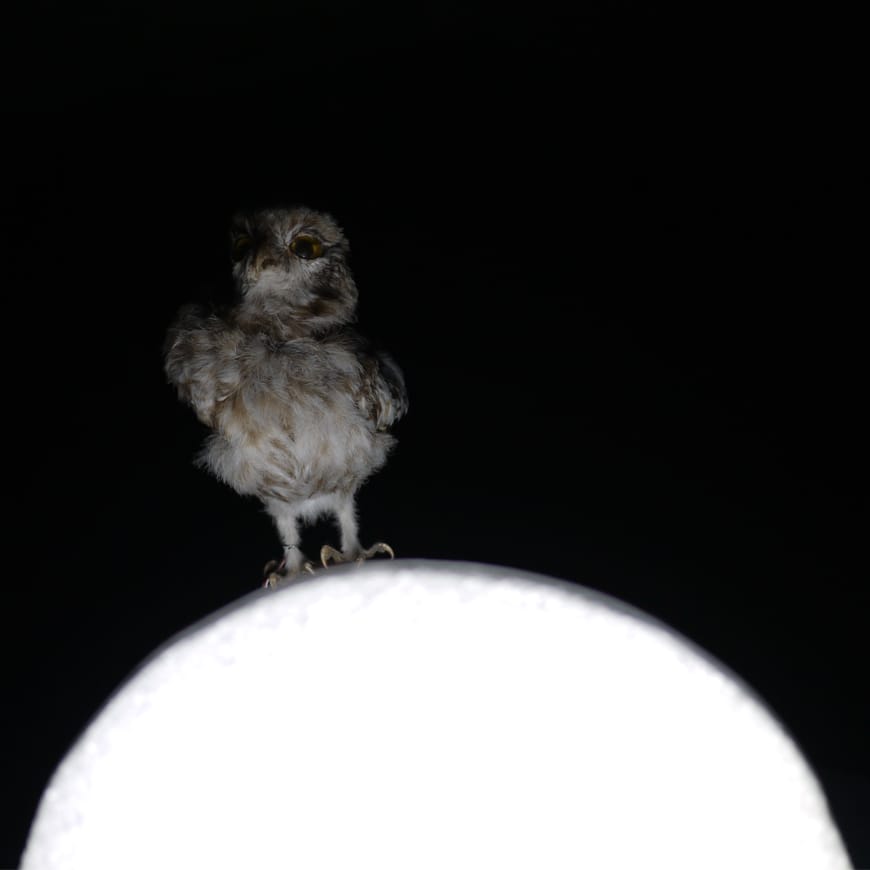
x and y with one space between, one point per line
241 246
306 247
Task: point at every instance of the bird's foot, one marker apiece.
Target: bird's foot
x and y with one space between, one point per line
374 550
277 573
330 554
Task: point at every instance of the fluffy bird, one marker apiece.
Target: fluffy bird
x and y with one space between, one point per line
299 403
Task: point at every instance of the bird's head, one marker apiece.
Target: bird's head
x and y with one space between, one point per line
292 262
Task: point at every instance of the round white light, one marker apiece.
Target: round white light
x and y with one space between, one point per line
432 715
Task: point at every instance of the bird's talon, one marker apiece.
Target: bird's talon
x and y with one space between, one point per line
278 574
273 566
273 572
328 553
272 581
374 550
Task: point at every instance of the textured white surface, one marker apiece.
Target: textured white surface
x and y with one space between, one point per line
424 714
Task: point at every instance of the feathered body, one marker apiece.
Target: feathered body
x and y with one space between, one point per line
298 402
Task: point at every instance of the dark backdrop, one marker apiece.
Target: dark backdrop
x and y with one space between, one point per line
611 247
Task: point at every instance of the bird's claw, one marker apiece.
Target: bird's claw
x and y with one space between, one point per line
330 554
275 573
273 580
273 566
380 547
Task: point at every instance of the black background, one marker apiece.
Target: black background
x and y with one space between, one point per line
611 246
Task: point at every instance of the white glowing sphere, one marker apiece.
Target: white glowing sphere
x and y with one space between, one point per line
432 715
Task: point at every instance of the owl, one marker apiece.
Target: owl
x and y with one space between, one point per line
299 404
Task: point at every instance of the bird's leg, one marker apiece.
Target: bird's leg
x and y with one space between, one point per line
351 551
294 561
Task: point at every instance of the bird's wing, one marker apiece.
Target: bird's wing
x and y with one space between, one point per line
381 396
201 360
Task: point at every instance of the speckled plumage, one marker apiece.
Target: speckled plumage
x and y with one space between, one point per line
299 404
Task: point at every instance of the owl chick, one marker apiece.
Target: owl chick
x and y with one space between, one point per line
300 406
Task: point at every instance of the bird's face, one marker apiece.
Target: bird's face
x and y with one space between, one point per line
293 261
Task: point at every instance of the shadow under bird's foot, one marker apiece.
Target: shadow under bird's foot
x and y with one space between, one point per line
330 554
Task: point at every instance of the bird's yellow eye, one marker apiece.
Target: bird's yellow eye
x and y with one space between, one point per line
241 246
306 247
